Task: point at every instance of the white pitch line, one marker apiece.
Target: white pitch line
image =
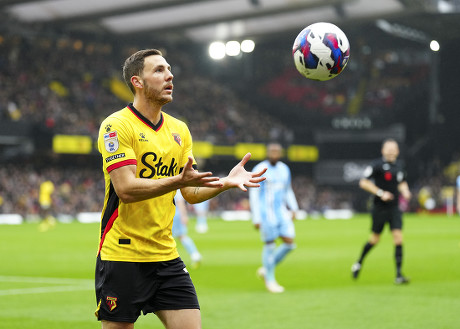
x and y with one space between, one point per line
43 290
58 285
32 279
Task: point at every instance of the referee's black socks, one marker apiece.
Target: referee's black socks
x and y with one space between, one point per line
398 259
367 247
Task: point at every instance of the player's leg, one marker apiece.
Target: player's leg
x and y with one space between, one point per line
268 260
180 319
179 231
396 231
47 219
287 234
269 234
378 222
201 210
175 302
191 249
116 325
268 269
119 301
397 239
283 249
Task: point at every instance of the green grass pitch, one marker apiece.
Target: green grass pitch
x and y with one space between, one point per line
46 278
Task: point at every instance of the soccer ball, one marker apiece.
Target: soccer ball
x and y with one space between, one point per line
321 51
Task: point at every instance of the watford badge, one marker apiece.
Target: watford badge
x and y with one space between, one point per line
111 302
177 139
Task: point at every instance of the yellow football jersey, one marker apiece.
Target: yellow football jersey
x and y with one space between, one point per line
46 191
140 231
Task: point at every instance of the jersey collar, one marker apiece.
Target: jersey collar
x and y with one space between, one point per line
145 120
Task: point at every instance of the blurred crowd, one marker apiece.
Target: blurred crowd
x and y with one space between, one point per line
380 86
69 86
75 190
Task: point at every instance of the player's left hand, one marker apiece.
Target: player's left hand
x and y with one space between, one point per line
239 177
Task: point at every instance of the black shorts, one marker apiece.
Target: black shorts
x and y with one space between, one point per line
124 289
386 214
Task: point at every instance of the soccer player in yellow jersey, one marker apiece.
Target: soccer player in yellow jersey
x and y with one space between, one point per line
45 199
147 156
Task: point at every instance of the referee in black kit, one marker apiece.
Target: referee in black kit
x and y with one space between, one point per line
386 179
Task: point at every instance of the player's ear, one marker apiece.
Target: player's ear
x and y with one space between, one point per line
137 81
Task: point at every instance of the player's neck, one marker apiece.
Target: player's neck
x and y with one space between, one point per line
148 110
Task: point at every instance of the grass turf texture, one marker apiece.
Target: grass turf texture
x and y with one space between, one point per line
319 290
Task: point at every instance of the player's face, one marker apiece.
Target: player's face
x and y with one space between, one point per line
157 80
274 153
390 151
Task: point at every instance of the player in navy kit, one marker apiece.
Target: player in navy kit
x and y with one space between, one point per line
386 179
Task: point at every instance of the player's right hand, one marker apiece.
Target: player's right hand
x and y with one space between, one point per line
192 177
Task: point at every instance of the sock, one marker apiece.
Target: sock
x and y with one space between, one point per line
268 260
367 247
201 220
398 259
189 245
282 250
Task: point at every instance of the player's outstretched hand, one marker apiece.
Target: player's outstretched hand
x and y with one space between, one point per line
192 177
239 177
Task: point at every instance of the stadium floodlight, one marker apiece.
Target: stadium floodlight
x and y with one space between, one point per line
434 45
402 31
217 50
247 46
232 48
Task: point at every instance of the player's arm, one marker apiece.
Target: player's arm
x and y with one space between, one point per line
292 201
369 186
237 178
403 188
130 188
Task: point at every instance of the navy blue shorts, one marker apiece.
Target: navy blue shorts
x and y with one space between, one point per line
124 289
386 214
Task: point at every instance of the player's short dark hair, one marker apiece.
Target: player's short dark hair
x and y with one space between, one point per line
134 65
387 140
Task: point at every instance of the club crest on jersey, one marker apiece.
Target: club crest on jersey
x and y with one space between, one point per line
111 302
111 141
177 139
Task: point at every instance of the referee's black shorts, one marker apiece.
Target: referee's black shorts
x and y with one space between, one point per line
124 289
382 214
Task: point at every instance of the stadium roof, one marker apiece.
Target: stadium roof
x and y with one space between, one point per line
206 20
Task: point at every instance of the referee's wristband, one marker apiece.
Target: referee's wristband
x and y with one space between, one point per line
379 193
